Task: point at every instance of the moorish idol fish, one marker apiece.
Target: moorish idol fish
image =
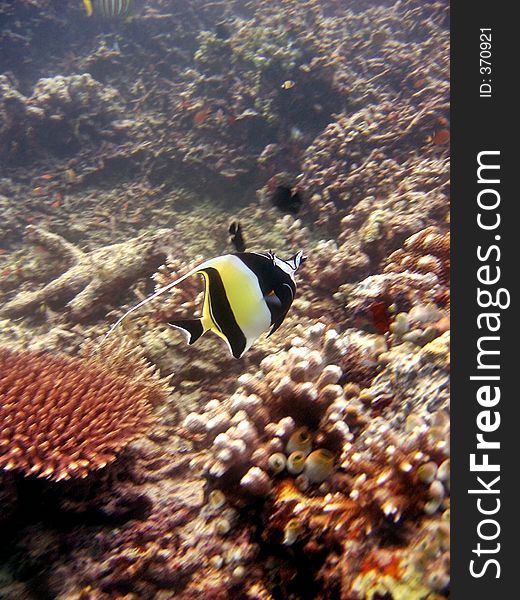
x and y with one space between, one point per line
246 294
107 8
236 237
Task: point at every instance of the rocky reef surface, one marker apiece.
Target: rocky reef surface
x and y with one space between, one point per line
317 466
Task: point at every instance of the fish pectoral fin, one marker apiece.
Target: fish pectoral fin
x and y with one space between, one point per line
192 328
284 295
273 302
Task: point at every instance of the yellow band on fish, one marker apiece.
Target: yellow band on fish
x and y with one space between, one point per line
88 7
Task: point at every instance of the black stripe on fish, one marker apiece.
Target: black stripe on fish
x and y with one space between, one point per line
262 266
193 327
271 279
285 294
269 275
222 314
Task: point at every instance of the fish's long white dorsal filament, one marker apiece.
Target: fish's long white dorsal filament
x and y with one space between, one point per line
146 300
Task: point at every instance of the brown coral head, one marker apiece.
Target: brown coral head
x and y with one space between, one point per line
62 417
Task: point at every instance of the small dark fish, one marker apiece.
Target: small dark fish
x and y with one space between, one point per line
222 31
286 200
236 237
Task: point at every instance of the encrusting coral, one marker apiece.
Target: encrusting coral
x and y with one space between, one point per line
412 291
427 251
92 278
62 417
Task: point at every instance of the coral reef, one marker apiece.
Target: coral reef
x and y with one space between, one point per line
340 455
294 388
412 289
183 301
427 251
318 465
226 110
367 511
62 114
64 417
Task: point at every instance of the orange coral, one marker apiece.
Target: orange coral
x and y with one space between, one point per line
61 417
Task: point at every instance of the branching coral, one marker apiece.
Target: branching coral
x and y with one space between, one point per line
390 477
414 283
63 417
92 278
372 521
294 388
184 301
396 479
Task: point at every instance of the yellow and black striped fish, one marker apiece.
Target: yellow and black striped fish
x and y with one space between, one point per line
246 295
107 9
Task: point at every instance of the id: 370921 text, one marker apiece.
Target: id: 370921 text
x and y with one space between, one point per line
486 66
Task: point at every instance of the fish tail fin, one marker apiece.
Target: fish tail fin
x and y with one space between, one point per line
193 328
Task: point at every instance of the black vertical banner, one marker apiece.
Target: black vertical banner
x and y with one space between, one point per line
485 330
